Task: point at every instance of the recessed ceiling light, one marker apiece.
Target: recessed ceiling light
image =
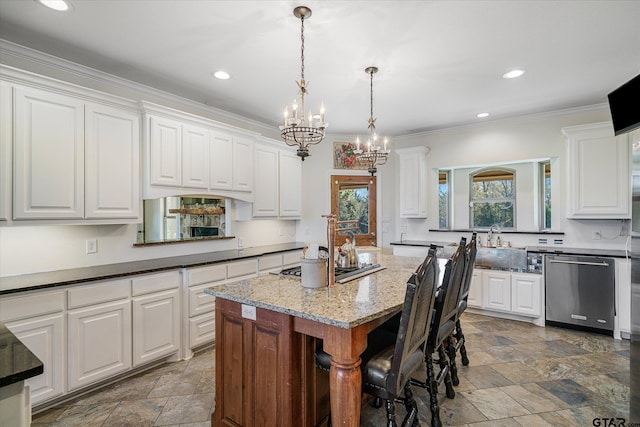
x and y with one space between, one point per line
222 75
59 5
482 115
513 74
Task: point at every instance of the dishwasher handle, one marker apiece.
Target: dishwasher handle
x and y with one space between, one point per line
561 261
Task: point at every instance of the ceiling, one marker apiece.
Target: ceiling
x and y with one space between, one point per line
441 62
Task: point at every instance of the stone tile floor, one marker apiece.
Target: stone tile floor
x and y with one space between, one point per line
519 375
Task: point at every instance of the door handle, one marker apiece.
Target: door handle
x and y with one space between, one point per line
596 264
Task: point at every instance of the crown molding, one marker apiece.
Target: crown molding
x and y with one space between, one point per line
23 53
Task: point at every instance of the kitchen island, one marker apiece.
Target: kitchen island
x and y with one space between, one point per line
268 328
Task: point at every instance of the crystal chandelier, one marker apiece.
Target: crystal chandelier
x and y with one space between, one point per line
374 155
297 129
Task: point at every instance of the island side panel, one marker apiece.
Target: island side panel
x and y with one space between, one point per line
265 374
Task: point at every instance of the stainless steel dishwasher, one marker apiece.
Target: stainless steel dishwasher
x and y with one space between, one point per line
580 292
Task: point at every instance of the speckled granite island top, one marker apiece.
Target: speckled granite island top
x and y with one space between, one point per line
344 305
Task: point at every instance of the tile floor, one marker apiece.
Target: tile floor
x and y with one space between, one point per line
519 375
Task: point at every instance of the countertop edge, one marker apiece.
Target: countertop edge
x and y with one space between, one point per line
26 365
51 279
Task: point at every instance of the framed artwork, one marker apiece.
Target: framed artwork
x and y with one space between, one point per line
344 157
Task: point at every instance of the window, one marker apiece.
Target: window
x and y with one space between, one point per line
492 198
545 196
443 198
353 200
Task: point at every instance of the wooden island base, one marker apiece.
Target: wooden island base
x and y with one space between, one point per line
265 371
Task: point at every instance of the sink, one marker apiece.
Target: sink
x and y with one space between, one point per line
501 258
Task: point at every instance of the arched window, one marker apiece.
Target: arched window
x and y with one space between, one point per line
492 198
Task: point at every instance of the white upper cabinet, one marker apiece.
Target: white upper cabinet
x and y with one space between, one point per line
598 172
195 157
412 170
290 184
278 188
265 202
187 154
6 135
112 163
165 152
242 164
75 152
221 163
49 155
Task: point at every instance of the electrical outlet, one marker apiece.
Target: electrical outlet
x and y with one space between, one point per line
248 312
240 242
91 246
403 228
596 235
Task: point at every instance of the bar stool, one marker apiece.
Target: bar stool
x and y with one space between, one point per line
386 373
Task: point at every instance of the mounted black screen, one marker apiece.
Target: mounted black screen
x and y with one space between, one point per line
624 103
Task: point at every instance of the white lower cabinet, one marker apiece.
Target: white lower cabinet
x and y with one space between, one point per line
474 299
156 316
496 290
200 308
514 293
37 319
44 336
99 342
526 294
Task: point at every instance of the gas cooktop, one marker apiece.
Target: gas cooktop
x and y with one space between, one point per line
342 274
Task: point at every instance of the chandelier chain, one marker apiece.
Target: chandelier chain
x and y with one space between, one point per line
302 49
372 126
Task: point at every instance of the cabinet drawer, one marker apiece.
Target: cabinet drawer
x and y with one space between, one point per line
202 330
270 262
156 282
22 307
199 302
98 293
292 257
214 273
241 268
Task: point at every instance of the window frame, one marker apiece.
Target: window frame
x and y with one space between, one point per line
512 199
543 193
447 199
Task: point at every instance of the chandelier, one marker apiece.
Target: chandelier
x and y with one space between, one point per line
300 130
374 155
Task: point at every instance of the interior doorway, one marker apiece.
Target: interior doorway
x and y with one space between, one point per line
353 201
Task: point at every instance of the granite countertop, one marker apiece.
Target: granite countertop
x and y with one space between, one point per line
17 363
19 283
344 305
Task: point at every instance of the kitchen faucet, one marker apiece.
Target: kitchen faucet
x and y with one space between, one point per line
490 234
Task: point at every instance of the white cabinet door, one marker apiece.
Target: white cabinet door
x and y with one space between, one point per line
6 138
195 157
242 164
165 152
599 172
112 163
526 294
475 290
496 290
290 185
156 326
221 161
49 155
44 336
265 198
412 168
99 342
